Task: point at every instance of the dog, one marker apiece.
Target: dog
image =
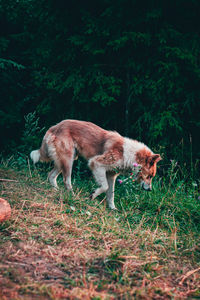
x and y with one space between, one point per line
105 151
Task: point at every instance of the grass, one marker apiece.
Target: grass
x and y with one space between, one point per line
59 246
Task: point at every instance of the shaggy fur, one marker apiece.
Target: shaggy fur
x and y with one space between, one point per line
105 151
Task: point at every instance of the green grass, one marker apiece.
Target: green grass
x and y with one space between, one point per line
60 246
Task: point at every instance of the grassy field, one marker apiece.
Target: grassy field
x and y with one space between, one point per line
59 246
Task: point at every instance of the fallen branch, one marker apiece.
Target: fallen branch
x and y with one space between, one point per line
3 179
189 273
128 257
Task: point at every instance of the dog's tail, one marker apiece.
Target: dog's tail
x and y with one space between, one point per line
45 153
35 156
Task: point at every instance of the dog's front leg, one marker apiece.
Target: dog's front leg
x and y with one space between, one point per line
100 177
111 178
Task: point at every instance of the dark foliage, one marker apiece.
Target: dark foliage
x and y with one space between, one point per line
131 66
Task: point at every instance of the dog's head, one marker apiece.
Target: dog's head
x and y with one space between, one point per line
148 161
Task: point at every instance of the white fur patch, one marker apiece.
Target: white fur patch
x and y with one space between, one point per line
131 147
35 156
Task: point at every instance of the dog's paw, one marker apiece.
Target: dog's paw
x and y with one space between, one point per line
113 208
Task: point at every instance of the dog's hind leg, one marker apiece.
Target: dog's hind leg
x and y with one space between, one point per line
53 176
66 168
111 178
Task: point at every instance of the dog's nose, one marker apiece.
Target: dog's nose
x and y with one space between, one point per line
148 190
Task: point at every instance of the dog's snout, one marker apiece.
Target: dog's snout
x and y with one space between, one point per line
146 187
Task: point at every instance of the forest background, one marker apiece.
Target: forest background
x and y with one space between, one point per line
131 66
127 65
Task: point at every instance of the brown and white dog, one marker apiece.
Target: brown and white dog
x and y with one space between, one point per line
106 152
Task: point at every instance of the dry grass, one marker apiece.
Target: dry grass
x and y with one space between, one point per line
59 247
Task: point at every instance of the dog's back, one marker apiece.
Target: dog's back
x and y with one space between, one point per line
87 138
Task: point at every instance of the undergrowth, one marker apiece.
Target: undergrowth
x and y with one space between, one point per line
62 246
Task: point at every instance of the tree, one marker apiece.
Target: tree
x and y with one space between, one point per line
132 66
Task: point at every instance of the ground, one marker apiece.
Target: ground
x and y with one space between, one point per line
60 246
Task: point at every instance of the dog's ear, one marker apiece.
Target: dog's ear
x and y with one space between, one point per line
154 159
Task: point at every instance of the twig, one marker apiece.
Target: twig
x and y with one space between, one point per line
16 263
188 274
128 257
11 180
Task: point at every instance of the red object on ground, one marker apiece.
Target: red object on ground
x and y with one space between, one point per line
5 210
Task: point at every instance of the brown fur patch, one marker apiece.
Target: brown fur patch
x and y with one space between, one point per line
111 156
142 156
148 161
44 152
92 165
89 139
